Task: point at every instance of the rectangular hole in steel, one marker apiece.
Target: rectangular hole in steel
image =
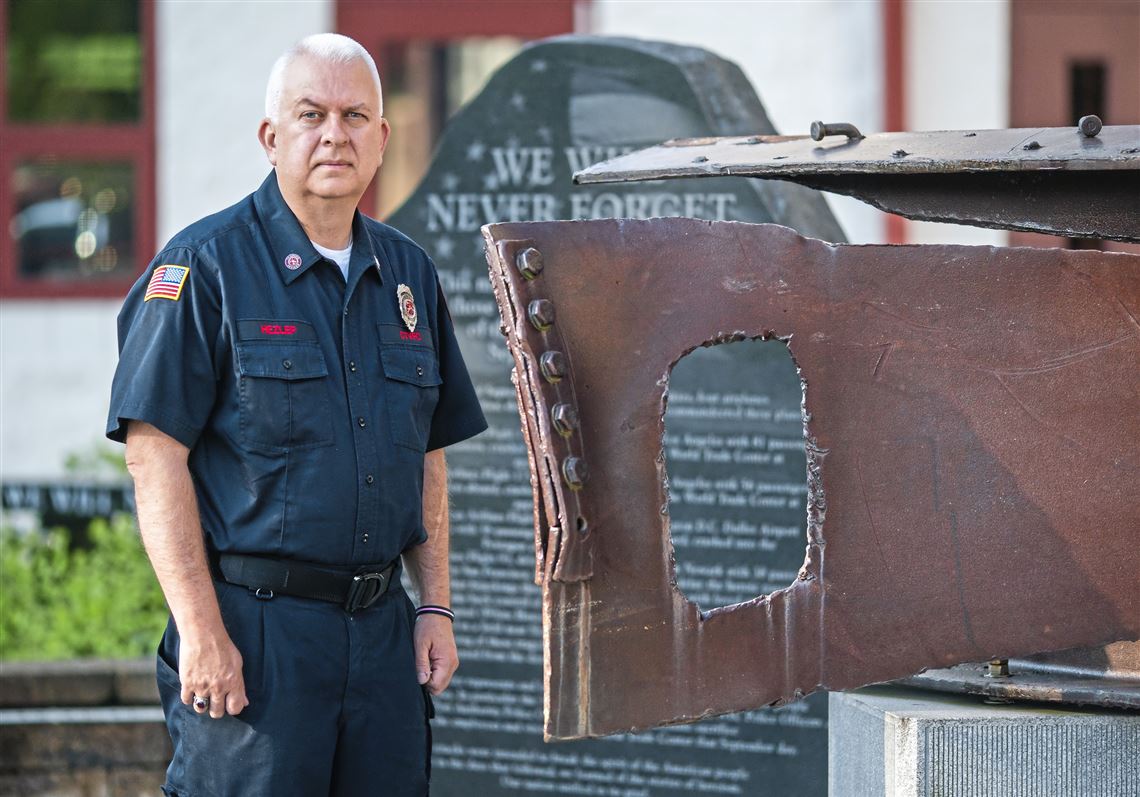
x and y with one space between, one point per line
737 471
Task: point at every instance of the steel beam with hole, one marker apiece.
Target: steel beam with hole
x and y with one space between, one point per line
970 418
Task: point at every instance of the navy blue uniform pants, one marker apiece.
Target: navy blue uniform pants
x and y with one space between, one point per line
334 705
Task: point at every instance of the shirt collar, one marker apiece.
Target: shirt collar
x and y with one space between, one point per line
292 250
364 256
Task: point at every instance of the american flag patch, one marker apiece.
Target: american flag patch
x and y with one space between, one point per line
166 283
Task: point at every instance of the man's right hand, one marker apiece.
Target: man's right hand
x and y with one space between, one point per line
209 666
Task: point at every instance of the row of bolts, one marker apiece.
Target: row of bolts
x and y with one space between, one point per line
564 417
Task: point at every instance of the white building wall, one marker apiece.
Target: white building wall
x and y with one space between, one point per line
806 60
957 64
56 359
957 78
213 59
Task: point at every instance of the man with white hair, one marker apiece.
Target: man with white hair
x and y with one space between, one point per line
288 379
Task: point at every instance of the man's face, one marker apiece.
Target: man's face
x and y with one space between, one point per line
329 138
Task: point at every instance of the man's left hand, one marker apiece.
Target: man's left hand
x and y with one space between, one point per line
436 656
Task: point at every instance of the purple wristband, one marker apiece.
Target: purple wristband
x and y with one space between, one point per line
429 608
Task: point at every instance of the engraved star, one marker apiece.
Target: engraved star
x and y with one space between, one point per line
444 247
544 134
491 182
475 150
518 101
450 181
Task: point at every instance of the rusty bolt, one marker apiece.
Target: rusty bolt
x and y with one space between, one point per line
565 419
1090 125
529 262
998 668
541 314
553 365
574 472
819 130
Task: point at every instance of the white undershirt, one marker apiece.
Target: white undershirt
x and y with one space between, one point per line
338 256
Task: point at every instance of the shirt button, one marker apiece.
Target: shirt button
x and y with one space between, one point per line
287 363
364 537
352 365
368 479
419 370
360 422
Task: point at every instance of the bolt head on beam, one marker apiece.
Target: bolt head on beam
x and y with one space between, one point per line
529 262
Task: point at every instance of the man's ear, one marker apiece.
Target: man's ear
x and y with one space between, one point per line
267 137
385 131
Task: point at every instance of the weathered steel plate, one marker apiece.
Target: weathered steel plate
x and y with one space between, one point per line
949 151
1050 180
1108 676
973 437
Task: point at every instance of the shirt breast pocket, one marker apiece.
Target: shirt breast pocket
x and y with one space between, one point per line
283 395
412 381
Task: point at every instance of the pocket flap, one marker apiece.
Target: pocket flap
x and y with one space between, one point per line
281 361
412 366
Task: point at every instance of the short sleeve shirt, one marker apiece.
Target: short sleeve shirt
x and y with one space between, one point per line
307 403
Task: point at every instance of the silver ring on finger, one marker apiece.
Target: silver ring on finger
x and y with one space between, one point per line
201 703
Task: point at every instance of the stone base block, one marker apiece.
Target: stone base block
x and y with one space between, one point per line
83 752
906 743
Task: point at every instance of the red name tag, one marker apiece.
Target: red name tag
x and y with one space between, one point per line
278 329
405 335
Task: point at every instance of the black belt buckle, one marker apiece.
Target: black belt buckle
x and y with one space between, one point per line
365 589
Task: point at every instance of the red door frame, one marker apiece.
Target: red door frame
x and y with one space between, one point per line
894 91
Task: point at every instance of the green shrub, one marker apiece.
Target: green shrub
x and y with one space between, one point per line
57 602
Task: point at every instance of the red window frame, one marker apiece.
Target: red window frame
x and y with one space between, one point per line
377 24
132 143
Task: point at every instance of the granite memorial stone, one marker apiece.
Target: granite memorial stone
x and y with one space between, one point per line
734 443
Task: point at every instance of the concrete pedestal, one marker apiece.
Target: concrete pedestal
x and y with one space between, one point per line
899 742
81 729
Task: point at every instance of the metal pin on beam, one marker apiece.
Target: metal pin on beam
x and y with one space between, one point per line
1090 126
820 129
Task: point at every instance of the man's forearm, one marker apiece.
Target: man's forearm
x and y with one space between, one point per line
434 640
427 563
209 666
170 527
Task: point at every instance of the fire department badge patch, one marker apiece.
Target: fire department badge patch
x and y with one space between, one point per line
407 306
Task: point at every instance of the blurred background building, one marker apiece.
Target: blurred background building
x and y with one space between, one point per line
121 121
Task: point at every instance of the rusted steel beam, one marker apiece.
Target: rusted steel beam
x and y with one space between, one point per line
1108 676
1049 180
972 423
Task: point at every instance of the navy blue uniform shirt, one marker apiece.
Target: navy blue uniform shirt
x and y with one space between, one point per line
308 404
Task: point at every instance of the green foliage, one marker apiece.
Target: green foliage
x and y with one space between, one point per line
98 462
57 602
74 61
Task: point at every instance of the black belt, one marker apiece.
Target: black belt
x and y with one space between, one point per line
267 577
